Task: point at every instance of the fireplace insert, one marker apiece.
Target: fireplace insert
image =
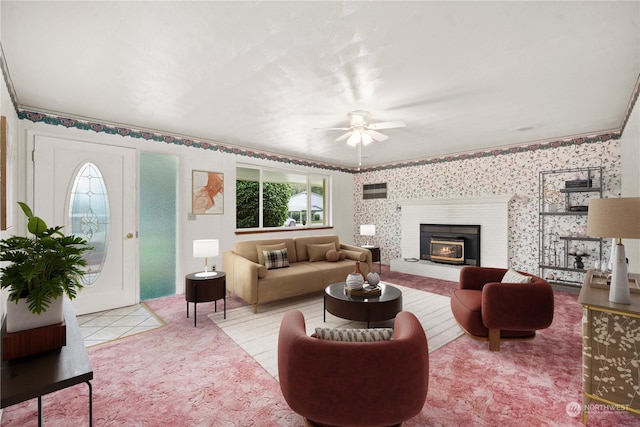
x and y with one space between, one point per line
450 244
447 249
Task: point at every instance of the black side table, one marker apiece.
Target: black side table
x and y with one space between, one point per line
375 256
205 289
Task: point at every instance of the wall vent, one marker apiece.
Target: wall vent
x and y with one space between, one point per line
374 191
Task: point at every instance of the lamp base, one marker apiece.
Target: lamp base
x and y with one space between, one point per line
206 274
619 291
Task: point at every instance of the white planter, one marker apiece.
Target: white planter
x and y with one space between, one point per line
20 318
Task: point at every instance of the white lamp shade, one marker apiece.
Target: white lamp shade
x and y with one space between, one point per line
367 230
206 248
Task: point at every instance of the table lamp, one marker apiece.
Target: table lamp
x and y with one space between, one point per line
618 218
205 248
367 230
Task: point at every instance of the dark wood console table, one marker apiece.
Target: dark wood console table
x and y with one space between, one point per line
35 376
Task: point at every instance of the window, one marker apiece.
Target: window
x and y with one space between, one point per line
89 217
278 198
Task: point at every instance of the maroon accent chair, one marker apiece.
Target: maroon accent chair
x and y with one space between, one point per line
490 310
332 383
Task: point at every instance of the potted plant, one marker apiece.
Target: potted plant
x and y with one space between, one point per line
42 269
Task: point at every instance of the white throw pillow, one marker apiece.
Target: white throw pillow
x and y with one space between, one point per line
512 276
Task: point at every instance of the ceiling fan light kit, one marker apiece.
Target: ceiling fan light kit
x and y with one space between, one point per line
359 135
360 131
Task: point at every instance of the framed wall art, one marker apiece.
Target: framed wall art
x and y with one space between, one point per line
207 193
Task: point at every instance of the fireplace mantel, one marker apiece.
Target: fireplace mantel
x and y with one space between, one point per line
479 200
490 212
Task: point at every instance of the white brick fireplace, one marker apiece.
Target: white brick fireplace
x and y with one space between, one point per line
490 212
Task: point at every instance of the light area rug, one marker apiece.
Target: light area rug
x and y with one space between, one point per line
257 333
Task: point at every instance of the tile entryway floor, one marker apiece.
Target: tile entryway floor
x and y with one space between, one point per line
103 326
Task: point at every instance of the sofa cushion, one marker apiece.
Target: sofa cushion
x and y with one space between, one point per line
332 256
276 258
262 248
342 255
354 335
301 244
355 255
247 248
512 276
318 252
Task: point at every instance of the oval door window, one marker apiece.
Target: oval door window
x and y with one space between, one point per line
89 217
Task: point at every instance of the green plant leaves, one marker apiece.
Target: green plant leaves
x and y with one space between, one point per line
35 225
42 268
26 209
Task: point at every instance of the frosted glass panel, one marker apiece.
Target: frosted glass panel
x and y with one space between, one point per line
89 217
158 218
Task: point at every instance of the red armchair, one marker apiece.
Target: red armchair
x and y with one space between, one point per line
354 383
490 310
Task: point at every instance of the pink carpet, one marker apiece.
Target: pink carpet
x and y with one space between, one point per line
185 376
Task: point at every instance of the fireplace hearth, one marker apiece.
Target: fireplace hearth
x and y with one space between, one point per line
450 244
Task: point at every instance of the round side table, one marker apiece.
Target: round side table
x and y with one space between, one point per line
363 309
205 289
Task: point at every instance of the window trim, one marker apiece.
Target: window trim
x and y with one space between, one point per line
310 176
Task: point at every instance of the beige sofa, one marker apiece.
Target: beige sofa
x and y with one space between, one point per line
308 270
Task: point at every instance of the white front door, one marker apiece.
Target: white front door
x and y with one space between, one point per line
90 189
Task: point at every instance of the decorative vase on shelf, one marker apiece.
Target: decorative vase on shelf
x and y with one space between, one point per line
373 278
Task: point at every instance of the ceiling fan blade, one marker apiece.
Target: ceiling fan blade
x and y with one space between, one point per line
387 125
343 137
377 135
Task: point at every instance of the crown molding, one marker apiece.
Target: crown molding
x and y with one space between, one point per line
150 135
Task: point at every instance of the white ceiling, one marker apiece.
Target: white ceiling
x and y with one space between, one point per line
464 76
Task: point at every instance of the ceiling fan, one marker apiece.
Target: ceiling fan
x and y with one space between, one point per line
361 131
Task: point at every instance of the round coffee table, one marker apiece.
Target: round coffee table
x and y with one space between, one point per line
363 309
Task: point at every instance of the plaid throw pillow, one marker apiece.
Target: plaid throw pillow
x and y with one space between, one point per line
276 259
355 335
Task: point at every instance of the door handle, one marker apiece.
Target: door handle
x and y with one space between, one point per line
129 235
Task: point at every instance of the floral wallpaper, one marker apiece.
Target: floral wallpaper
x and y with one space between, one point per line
610 359
510 173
